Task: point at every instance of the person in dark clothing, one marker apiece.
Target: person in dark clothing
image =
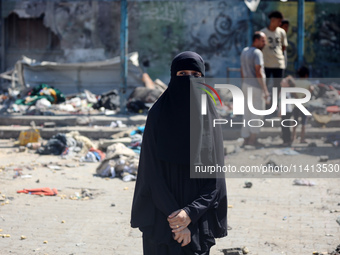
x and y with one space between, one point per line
286 133
176 213
285 27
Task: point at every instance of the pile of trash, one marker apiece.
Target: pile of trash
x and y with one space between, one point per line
120 160
42 95
71 144
44 99
122 154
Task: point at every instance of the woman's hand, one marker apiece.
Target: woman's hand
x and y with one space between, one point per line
178 220
183 237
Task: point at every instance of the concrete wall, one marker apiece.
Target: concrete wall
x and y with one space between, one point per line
158 30
213 29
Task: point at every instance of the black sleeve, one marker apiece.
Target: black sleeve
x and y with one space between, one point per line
150 167
207 199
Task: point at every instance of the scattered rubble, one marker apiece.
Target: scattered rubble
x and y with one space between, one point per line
301 182
248 185
235 251
323 158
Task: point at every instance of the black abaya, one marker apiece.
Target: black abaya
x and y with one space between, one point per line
163 182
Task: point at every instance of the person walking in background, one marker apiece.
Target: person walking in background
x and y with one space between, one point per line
285 25
273 52
253 76
302 82
286 133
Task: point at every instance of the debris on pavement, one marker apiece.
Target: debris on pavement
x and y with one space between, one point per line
42 91
83 194
233 251
302 182
26 176
313 144
271 163
5 202
54 167
80 244
119 160
323 158
245 250
286 151
108 100
142 98
254 156
33 146
29 136
89 157
40 191
129 177
248 185
55 146
18 172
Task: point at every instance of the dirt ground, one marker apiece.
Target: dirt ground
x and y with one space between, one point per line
273 216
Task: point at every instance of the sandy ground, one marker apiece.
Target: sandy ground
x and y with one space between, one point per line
272 217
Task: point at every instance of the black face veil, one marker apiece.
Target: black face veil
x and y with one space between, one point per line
184 136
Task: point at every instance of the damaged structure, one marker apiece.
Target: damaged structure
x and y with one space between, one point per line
87 31
72 78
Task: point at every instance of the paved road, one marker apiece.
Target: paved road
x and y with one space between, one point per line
272 217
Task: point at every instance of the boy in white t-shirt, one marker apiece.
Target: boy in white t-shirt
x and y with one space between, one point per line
273 52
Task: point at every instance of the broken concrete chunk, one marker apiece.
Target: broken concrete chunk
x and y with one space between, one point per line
323 158
232 251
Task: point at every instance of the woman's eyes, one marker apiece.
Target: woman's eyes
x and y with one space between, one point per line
196 74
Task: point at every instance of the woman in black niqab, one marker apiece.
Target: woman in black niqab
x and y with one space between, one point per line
164 186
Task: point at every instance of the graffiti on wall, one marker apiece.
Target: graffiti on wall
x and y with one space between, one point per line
170 12
217 33
225 37
213 29
158 30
